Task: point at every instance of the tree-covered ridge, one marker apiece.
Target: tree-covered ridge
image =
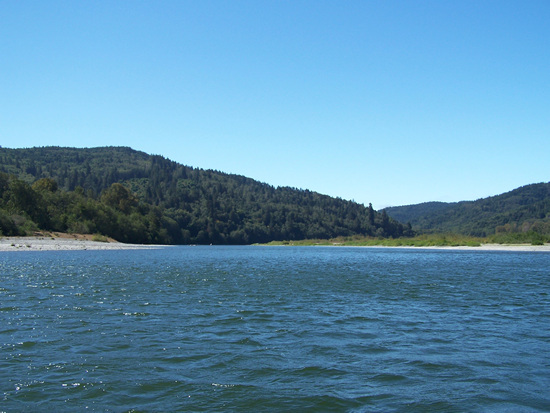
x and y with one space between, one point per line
519 211
414 213
135 197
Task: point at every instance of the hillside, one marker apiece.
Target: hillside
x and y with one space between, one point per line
136 197
415 213
521 210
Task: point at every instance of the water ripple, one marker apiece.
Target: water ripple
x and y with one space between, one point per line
274 329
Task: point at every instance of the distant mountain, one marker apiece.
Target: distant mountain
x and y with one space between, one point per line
136 197
524 209
415 213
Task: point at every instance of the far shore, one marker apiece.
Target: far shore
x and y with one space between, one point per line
65 242
485 247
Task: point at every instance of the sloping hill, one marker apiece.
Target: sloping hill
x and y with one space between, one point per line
521 210
415 213
171 202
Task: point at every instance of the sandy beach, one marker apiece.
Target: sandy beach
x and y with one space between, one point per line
64 244
494 247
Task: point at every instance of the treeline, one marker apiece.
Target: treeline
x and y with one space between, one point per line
139 198
516 215
26 208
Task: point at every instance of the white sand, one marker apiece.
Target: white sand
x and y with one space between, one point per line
493 247
63 244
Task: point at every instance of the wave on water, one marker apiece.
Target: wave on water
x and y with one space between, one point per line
274 329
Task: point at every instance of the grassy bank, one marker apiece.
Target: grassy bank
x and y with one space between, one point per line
426 240
433 240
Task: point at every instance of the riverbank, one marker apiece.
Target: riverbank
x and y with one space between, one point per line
64 243
477 247
430 241
488 247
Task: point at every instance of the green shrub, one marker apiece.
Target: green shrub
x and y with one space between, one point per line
99 238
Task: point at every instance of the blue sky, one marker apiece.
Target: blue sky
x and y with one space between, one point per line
389 102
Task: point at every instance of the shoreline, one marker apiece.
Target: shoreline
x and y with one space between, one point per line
65 244
81 243
482 247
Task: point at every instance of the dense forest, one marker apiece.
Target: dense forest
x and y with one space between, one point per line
139 198
525 209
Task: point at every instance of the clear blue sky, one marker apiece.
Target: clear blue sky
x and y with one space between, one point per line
389 102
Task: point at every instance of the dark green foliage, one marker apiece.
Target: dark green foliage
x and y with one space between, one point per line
135 197
119 197
521 211
534 237
24 209
416 213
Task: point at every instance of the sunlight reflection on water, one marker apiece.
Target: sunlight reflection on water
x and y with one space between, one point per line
271 328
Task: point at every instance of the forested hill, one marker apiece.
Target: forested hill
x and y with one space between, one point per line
522 210
135 197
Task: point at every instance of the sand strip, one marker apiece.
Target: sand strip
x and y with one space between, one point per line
490 247
63 244
68 244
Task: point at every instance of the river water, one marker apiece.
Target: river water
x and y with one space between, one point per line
274 329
